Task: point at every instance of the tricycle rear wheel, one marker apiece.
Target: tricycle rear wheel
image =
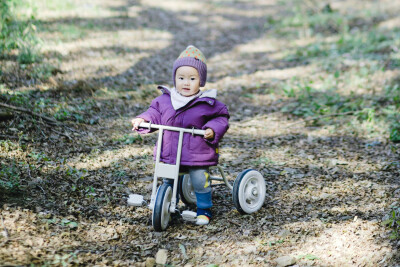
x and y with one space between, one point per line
249 191
186 190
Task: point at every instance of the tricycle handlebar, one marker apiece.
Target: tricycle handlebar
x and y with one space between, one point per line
149 125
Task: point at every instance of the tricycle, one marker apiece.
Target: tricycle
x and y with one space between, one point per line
248 189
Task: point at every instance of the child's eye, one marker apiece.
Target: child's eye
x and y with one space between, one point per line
193 79
180 78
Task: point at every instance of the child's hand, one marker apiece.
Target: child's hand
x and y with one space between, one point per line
209 134
136 122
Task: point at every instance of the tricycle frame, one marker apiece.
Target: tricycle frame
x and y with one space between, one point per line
171 171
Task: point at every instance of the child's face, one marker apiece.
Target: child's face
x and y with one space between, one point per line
187 81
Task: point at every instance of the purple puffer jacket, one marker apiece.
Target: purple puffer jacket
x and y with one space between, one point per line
200 113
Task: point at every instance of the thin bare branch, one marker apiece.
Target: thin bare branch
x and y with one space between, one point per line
5 231
47 119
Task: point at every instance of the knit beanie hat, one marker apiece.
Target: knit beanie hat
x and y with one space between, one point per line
193 57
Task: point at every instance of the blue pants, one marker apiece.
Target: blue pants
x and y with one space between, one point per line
201 182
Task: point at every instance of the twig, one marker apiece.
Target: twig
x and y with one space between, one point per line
44 192
320 117
50 120
8 136
5 232
235 223
59 133
114 249
47 119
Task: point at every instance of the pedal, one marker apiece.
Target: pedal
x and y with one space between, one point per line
135 200
189 216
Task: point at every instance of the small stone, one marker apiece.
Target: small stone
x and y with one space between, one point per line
325 196
335 170
285 261
298 176
271 253
162 256
149 186
284 233
200 251
290 170
150 262
250 250
332 162
246 232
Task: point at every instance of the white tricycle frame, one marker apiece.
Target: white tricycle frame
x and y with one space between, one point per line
248 189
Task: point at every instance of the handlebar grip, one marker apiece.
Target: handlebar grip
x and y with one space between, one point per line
145 125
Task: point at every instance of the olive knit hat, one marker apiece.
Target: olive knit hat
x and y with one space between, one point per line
193 57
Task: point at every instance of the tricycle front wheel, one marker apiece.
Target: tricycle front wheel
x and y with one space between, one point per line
161 213
249 191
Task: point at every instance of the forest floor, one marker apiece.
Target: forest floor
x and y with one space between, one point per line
330 180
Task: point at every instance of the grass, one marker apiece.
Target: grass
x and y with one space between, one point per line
348 50
17 32
392 221
56 5
326 103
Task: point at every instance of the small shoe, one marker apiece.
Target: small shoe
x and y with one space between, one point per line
202 220
203 216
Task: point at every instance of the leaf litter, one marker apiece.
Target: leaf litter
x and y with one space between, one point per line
326 193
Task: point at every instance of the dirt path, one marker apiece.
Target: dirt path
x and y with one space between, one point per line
327 190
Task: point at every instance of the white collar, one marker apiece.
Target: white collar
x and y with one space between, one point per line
178 101
211 93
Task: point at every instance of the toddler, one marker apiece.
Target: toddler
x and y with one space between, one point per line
186 106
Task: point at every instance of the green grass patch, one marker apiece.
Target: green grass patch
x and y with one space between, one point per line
349 50
325 21
392 221
42 71
313 102
9 176
17 32
56 5
130 139
317 18
359 45
321 106
308 257
65 31
71 32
